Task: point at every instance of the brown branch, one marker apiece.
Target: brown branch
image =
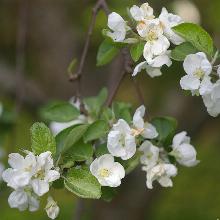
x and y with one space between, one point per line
77 77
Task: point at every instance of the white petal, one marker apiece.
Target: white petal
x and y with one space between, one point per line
52 208
190 82
153 72
160 46
139 67
94 167
18 199
115 22
34 204
52 175
191 63
15 160
119 169
147 11
138 120
150 131
117 36
122 126
40 187
148 55
106 161
136 13
206 86
161 60
180 138
218 71
165 181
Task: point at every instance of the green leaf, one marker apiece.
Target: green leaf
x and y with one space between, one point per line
42 139
180 52
79 152
108 193
136 51
82 183
60 112
101 150
95 104
61 138
197 36
96 130
71 67
74 136
106 52
58 184
122 110
166 127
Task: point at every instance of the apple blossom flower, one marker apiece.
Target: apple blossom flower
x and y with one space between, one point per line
157 44
21 171
145 129
44 173
52 209
23 199
118 26
212 100
183 151
153 66
121 141
150 155
107 172
198 69
142 15
168 21
162 173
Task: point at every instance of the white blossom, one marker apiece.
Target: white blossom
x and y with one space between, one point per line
118 26
150 155
157 44
108 172
23 199
145 129
183 151
153 66
44 173
121 142
142 15
198 69
169 21
52 209
162 173
21 171
212 100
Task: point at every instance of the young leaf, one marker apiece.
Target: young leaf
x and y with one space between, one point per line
180 52
197 36
42 139
74 136
166 127
136 51
60 112
82 183
96 130
106 52
101 150
79 152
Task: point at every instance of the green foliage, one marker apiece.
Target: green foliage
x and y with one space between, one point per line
60 112
73 137
101 150
166 127
197 36
106 52
82 183
180 52
96 130
80 151
42 139
122 110
108 193
136 51
95 104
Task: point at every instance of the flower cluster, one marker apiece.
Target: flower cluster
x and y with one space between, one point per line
156 33
30 178
124 140
202 79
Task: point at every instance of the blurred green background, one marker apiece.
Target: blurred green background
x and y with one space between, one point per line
55 34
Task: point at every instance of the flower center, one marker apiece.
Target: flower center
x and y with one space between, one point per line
152 35
40 175
104 172
199 73
136 132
